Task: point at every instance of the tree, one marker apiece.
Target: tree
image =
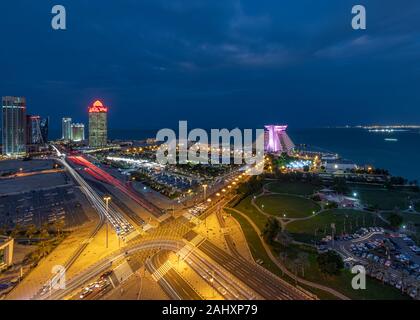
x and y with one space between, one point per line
395 220
271 229
340 185
330 263
16 231
30 231
44 234
254 185
59 225
302 262
331 205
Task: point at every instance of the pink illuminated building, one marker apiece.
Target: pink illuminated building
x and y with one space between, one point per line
277 140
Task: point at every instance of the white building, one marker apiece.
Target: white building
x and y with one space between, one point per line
6 252
66 129
339 165
77 132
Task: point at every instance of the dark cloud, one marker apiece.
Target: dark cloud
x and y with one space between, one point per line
216 62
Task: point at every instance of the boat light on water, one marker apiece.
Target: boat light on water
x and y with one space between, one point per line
391 139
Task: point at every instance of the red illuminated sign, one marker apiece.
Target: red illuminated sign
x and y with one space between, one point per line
97 106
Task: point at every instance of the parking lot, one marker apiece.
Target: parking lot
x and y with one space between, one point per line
42 206
35 182
392 258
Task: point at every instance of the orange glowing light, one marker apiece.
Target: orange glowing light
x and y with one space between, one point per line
97 106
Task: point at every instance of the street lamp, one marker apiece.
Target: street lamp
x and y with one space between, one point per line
107 199
204 190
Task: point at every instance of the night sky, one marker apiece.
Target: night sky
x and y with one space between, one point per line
215 63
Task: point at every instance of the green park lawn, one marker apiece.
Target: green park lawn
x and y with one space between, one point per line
320 225
298 188
291 206
246 207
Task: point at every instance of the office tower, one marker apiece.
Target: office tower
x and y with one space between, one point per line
77 132
33 130
44 128
66 129
277 140
97 124
13 126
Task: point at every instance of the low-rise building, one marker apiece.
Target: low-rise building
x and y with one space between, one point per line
6 252
339 165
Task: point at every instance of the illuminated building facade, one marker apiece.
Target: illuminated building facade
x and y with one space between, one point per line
43 126
77 132
66 129
13 126
276 139
98 131
33 130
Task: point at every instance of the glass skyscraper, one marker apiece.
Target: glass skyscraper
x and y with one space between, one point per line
66 129
13 126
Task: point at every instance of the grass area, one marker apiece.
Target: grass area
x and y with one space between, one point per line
254 242
296 187
375 290
417 206
385 199
246 207
292 206
320 225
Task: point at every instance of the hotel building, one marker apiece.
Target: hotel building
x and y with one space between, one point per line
98 132
276 140
66 129
77 132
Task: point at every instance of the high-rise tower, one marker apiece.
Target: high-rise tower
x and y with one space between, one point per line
14 126
66 129
98 131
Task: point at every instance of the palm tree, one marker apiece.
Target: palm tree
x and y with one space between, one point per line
30 231
303 262
16 230
59 225
44 231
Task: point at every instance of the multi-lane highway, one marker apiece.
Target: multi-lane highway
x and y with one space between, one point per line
115 218
104 176
257 278
170 280
235 277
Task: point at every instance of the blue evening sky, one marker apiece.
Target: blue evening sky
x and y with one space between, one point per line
215 63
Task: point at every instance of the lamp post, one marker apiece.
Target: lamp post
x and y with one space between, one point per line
107 199
204 191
